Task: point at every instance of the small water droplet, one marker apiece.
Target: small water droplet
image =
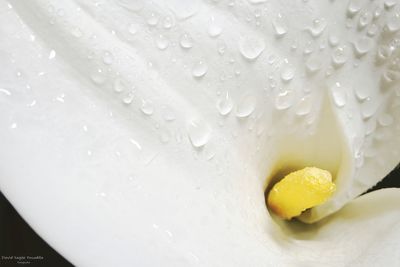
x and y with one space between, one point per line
119 85
333 40
284 100
153 19
354 7
339 95
361 93
225 105
279 26
199 69
393 24
304 106
339 56
108 58
168 114
313 64
372 30
128 98
186 41
168 22
214 29
383 54
385 119
362 45
76 31
246 106
161 42
368 108
147 107
199 132
364 20
317 27
52 54
132 29
251 47
287 73
98 77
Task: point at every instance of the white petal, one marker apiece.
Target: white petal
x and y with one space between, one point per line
113 114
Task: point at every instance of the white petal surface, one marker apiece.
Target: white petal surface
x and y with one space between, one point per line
146 133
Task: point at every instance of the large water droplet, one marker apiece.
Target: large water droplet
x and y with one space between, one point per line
361 92
339 56
225 105
199 132
199 69
147 107
390 3
317 27
362 45
339 95
186 41
284 100
251 47
279 26
246 106
161 42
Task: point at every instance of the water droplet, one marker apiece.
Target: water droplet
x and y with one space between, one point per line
147 107
313 64
361 93
393 23
168 114
246 106
214 30
339 95
304 106
339 56
368 108
98 77
108 58
354 7
186 41
184 9
161 42
279 26
362 45
364 20
168 22
372 30
76 31
383 54
52 54
221 47
153 19
199 132
132 29
390 3
128 98
225 105
333 40
119 85
317 27
5 91
251 47
385 119
284 100
287 73
199 69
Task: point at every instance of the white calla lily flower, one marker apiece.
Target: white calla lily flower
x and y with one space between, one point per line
145 133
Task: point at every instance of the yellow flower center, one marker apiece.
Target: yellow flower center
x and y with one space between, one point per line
300 190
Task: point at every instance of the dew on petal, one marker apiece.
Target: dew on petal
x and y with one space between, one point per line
251 47
199 132
246 106
147 107
199 69
279 26
186 41
339 95
284 100
225 104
